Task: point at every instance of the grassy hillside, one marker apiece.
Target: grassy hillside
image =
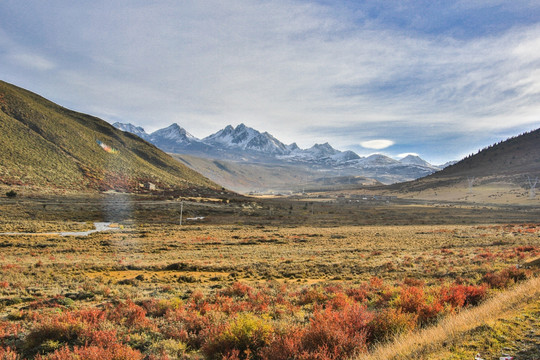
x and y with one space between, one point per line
499 169
515 156
46 145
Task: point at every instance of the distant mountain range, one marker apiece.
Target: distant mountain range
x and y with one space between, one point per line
243 143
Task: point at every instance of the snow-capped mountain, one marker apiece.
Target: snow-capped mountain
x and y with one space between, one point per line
130 128
173 138
378 160
243 143
246 138
416 160
174 133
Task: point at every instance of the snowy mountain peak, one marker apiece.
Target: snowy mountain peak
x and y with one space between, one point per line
173 132
128 127
292 147
246 138
322 150
415 160
379 160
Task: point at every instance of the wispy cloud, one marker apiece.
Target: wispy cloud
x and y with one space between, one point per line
32 61
308 72
378 144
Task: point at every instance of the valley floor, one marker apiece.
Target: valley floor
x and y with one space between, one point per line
258 279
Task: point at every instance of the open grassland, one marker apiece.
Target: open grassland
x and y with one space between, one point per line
265 285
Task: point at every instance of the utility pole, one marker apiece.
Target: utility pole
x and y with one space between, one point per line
471 182
181 211
532 185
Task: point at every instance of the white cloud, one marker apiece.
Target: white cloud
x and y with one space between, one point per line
283 66
32 61
377 144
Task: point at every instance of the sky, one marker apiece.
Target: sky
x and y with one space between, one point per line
440 79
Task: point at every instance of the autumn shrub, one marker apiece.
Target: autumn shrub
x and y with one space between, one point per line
312 295
169 348
8 354
337 334
413 300
128 314
359 294
388 323
8 330
285 345
69 328
237 289
506 277
92 352
158 308
246 334
61 330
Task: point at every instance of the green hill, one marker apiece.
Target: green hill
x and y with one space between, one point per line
47 146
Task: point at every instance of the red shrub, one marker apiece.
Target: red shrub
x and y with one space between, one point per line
339 301
413 300
506 277
113 352
9 329
429 313
128 314
8 354
312 295
358 294
237 289
337 334
284 346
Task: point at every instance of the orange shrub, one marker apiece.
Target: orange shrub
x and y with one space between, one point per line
113 352
337 334
8 354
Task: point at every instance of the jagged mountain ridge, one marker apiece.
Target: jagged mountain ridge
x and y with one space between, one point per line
248 144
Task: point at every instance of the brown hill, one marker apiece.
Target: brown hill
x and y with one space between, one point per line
516 156
47 146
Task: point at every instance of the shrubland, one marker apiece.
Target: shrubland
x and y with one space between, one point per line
248 292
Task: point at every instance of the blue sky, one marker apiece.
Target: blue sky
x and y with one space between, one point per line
437 78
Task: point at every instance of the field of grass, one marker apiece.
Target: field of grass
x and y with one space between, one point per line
262 280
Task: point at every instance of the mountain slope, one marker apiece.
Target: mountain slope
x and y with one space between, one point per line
510 162
516 156
46 145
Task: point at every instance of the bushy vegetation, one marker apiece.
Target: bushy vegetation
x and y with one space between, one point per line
125 296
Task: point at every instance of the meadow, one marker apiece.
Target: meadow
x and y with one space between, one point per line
264 280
